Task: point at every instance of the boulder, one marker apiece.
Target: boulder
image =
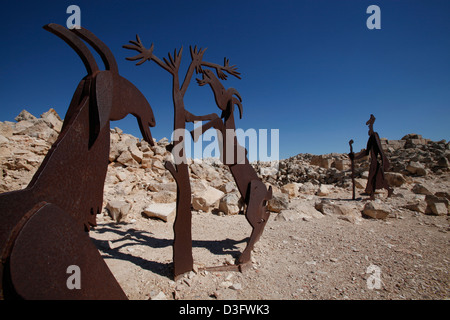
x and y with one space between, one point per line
163 211
416 168
164 196
342 164
127 159
136 153
306 209
416 205
159 186
52 119
349 213
436 205
288 215
207 199
24 115
158 165
147 160
3 140
324 190
443 194
308 187
158 150
421 189
227 187
291 189
395 179
6 130
438 209
323 161
360 183
38 129
230 204
118 209
342 211
121 175
376 210
279 201
443 162
327 207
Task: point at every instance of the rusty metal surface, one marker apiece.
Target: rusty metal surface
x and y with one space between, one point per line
66 245
70 182
379 163
251 188
182 245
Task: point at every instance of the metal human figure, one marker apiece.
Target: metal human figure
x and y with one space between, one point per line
43 227
379 163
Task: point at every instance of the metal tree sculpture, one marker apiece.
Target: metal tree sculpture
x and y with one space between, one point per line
43 227
182 246
379 163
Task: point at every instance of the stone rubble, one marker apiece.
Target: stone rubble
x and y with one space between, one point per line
137 183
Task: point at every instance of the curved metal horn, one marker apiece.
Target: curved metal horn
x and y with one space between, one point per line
76 44
101 48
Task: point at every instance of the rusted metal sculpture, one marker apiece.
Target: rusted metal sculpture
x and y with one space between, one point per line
250 186
379 163
182 246
43 227
353 169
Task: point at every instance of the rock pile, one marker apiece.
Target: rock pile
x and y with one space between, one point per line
137 182
304 186
411 156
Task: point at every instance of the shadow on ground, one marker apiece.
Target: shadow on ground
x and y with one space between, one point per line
133 237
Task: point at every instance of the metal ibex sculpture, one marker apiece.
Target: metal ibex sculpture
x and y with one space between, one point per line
250 186
43 227
379 163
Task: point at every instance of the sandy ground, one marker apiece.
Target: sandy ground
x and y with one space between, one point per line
405 256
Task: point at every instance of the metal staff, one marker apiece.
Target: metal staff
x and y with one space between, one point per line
353 168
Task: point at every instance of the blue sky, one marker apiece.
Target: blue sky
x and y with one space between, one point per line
310 68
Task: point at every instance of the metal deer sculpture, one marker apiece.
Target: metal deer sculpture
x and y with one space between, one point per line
379 163
43 227
250 186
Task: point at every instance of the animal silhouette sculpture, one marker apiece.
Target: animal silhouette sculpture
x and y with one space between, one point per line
250 186
43 227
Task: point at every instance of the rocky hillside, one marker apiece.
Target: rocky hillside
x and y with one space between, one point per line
138 184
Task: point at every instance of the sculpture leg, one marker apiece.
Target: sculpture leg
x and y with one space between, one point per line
257 215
